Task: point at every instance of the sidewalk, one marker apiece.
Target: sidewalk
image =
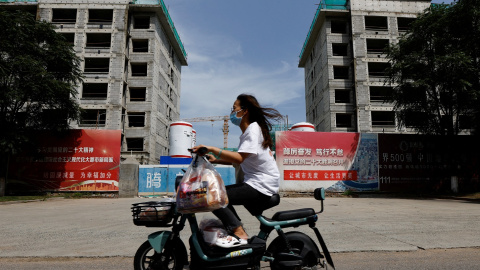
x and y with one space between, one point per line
104 227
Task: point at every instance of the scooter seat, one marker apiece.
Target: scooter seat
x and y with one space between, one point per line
256 209
293 214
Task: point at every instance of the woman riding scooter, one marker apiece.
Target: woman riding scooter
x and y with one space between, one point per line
261 175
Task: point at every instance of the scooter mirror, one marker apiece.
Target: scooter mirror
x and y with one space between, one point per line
319 194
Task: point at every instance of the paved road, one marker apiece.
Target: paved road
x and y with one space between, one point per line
434 259
104 228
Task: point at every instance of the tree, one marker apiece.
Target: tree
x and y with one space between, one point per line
39 72
435 70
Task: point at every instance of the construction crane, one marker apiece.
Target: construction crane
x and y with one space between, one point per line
213 119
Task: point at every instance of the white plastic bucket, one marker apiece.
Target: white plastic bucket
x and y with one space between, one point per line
181 134
303 126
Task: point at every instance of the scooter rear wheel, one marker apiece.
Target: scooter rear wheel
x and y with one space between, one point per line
147 258
301 244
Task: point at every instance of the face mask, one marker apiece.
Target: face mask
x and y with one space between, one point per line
234 119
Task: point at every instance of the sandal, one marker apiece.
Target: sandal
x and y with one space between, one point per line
230 241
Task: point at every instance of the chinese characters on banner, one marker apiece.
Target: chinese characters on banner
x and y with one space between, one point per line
84 160
368 161
155 179
331 160
425 162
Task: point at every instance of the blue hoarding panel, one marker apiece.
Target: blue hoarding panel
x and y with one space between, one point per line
155 179
167 160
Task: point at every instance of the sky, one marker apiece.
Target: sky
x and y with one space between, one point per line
235 47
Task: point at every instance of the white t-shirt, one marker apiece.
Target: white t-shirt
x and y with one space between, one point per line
260 169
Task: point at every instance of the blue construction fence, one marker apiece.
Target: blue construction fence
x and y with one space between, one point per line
160 179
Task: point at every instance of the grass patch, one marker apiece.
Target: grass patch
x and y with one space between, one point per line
78 195
471 195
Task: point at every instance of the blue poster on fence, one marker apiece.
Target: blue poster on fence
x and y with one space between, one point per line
156 179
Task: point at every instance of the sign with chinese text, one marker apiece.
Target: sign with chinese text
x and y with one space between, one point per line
335 161
155 179
425 162
83 160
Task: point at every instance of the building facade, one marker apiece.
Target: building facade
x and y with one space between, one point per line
132 58
344 62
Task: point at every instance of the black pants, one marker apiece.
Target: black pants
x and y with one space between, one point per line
239 194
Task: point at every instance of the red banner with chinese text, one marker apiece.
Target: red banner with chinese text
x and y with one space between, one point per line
83 160
312 175
334 161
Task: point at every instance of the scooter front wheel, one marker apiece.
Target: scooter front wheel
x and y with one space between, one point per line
147 258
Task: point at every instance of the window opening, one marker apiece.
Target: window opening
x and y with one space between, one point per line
377 46
95 40
342 96
383 118
134 144
141 22
61 15
140 45
340 72
93 117
95 90
100 15
404 24
136 119
139 69
138 94
340 49
376 23
338 27
343 120
380 93
376 69
97 65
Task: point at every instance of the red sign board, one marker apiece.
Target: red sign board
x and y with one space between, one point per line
335 161
84 160
312 175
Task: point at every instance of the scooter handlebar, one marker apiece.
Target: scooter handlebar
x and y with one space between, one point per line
200 151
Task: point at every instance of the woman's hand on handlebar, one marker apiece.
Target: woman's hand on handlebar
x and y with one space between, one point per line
200 149
211 158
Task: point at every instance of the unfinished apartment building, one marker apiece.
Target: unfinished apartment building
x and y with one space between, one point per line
345 65
131 60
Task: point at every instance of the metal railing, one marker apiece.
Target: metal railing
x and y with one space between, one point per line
334 4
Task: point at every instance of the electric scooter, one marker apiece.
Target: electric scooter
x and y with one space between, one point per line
289 250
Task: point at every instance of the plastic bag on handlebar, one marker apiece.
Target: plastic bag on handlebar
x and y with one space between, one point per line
201 189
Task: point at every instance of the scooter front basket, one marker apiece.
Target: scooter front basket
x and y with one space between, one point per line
153 214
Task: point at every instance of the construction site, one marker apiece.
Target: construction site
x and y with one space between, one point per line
131 57
344 63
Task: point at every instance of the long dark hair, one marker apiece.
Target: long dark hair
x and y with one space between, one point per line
261 115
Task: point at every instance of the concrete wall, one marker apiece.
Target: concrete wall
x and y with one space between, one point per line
128 182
